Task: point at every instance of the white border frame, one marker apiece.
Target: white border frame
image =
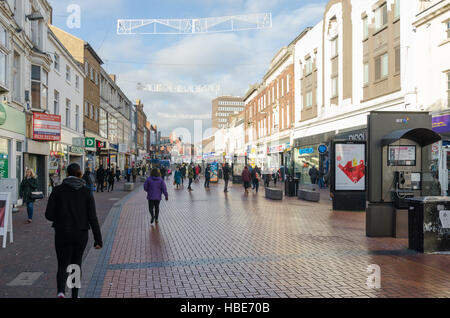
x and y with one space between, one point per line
6 196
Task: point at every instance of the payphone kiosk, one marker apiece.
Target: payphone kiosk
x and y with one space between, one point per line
398 169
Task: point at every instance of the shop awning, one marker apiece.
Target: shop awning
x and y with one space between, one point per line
422 136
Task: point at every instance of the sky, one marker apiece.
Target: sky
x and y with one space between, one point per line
233 60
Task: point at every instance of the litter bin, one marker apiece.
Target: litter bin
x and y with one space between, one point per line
291 186
429 224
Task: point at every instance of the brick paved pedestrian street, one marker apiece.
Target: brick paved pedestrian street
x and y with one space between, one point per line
211 244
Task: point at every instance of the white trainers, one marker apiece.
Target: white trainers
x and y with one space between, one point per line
61 295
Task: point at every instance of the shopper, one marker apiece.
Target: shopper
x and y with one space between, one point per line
246 178
207 176
183 173
177 177
71 208
256 178
28 185
226 176
100 176
117 174
163 172
87 177
110 180
155 187
313 173
191 176
321 176
134 173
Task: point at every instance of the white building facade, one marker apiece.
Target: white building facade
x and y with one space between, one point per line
65 95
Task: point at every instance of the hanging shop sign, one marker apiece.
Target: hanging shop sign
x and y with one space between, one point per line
46 127
322 149
89 142
76 150
350 167
101 144
278 148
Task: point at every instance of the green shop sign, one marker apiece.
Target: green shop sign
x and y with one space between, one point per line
12 119
89 143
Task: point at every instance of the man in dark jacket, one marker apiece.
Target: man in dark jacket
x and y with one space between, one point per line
100 175
207 176
71 208
313 173
134 173
183 173
87 178
226 176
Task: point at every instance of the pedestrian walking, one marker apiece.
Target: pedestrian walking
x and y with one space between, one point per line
163 172
191 175
226 176
313 173
207 175
28 185
118 174
87 177
246 178
155 187
71 208
183 173
100 176
134 173
256 178
177 177
110 177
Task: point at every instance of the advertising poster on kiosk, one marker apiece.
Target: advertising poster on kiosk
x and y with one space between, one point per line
214 172
350 167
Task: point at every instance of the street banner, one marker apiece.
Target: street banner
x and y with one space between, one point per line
46 127
6 217
350 167
214 172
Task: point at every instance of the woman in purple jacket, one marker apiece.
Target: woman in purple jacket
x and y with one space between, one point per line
155 187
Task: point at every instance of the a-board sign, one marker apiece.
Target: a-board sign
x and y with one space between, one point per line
6 217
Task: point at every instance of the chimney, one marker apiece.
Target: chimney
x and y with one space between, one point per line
113 77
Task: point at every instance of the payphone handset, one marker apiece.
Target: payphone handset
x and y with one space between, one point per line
407 180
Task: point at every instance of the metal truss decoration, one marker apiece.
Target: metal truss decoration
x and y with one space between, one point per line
180 89
255 21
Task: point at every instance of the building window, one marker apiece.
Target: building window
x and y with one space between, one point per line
35 86
397 8
3 66
77 118
309 99
56 103
448 29
77 82
334 87
381 66
308 63
57 63
287 84
334 47
3 37
366 74
68 113
68 73
86 68
365 28
96 115
397 60
92 74
17 93
86 109
381 17
92 112
448 89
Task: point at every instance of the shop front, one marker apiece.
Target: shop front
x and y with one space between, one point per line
440 152
12 142
279 156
